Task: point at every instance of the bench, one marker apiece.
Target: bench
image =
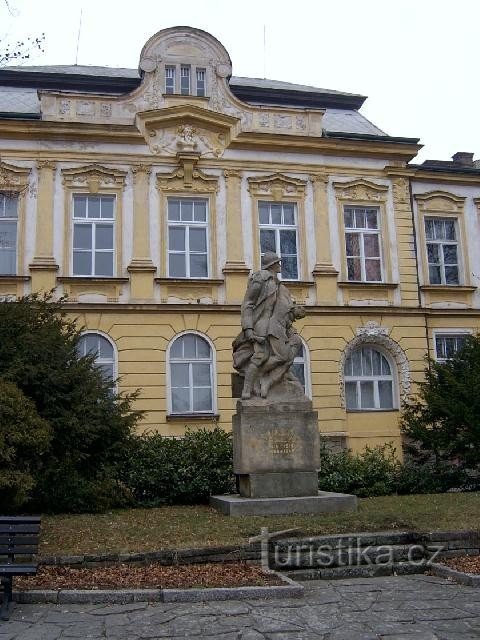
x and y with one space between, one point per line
18 537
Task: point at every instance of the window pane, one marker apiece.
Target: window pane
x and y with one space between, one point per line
198 239
288 242
202 399
8 234
176 238
103 236
372 222
360 222
176 350
189 341
433 253
276 211
200 211
348 370
438 229
174 210
93 206
179 375
348 218
352 244
434 275
176 265
82 263
440 346
107 371
429 228
90 341
385 392
354 271
298 370
201 374
366 395
357 363
351 395
203 348
186 210
449 230
198 266
376 363
367 362
371 245
451 275
450 254
288 214
82 236
386 371
103 263
289 268
263 210
107 206
180 400
373 272
11 203
80 207
267 240
105 348
8 261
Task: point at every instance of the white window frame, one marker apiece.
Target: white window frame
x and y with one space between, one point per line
188 223
213 375
440 243
373 378
173 69
103 360
362 232
188 68
92 222
304 359
3 198
277 228
447 333
201 70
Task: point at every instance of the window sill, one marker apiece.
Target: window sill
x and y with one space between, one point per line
300 283
93 279
192 417
187 281
372 410
357 284
447 287
4 277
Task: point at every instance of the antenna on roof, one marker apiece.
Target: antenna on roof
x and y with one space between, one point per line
264 51
78 37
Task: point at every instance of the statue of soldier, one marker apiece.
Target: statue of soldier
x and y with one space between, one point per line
265 349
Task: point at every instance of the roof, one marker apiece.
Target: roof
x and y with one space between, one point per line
19 99
448 166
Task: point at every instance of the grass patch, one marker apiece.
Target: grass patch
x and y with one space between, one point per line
135 530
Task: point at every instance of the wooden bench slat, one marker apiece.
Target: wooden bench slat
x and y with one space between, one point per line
20 528
18 550
20 519
18 540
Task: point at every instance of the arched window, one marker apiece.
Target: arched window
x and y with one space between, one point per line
191 375
102 348
301 369
369 382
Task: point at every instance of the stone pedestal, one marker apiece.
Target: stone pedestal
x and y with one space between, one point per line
276 457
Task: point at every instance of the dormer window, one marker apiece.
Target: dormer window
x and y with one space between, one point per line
169 79
185 80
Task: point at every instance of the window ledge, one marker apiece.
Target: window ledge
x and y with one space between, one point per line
12 278
372 410
85 279
447 287
300 283
192 417
357 284
187 281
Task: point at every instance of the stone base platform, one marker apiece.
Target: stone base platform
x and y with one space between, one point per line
324 502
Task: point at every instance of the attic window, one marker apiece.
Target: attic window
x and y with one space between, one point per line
185 80
169 79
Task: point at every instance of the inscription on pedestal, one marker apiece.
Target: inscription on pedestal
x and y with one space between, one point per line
282 442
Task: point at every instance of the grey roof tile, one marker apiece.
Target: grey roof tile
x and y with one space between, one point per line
19 100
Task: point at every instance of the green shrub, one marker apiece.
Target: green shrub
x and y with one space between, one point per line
24 440
160 470
371 473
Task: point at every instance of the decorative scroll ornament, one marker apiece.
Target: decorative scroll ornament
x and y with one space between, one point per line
373 334
361 190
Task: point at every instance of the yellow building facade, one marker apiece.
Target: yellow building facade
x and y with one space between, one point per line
146 197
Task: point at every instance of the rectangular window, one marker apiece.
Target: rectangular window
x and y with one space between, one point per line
185 81
201 82
442 251
8 233
448 344
187 238
278 233
362 244
93 235
169 79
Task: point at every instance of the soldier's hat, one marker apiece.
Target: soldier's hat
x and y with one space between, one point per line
269 258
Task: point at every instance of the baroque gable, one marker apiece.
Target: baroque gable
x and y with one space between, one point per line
181 179
276 186
13 178
361 191
440 201
95 177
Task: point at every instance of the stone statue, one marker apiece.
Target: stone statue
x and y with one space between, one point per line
265 349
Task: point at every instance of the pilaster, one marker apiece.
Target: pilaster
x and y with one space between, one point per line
235 270
43 267
141 268
324 273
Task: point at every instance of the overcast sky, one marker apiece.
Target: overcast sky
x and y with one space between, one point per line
416 60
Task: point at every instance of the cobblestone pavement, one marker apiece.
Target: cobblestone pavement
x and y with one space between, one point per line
414 607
